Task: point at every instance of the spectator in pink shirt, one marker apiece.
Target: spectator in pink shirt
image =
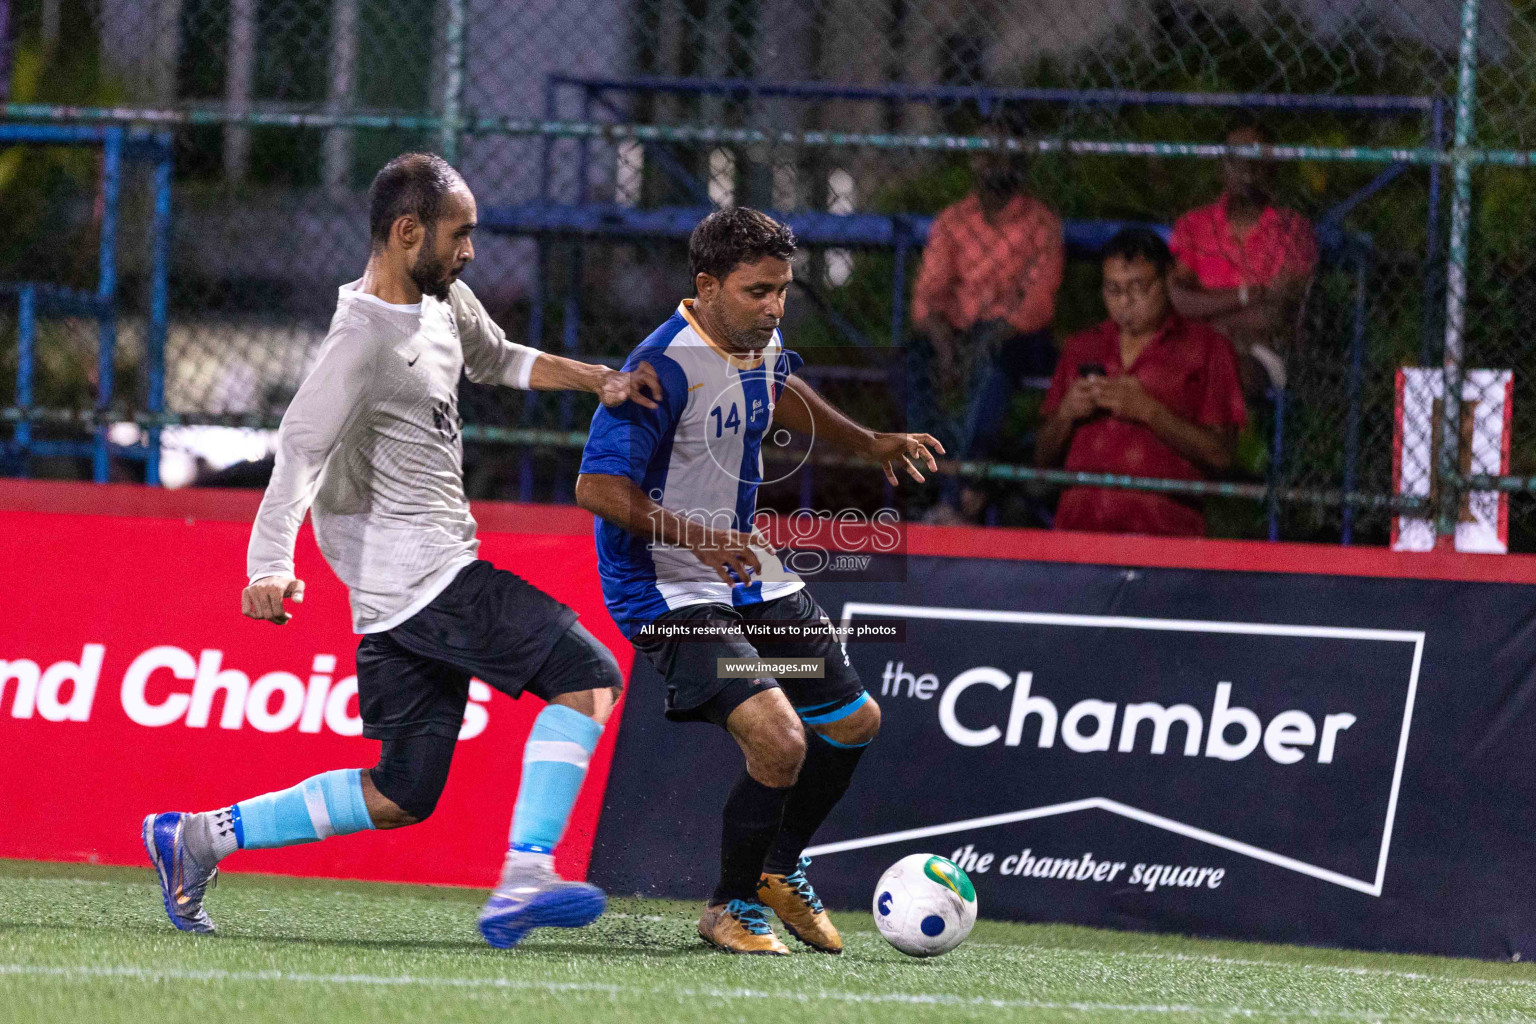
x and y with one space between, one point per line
985 297
1244 264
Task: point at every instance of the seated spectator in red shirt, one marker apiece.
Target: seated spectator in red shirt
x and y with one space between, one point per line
1244 264
985 297
1146 393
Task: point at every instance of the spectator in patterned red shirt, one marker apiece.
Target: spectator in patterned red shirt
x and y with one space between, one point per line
1245 263
1146 393
985 297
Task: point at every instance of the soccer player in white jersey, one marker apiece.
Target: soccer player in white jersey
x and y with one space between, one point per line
372 443
664 482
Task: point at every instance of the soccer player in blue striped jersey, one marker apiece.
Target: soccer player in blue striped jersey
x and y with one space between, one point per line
675 492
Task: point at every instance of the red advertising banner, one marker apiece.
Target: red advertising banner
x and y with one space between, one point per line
130 683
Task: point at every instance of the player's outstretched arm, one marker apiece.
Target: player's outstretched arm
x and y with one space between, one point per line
619 501
612 387
490 358
804 411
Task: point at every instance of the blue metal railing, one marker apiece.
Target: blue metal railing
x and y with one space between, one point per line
26 340
989 96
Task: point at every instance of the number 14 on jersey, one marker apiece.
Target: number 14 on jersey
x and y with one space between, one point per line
729 421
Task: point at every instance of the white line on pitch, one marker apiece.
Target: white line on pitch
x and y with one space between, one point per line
84 973
1228 961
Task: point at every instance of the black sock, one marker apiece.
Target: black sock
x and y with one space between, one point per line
824 778
753 812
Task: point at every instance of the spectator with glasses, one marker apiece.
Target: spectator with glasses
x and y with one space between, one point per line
1147 393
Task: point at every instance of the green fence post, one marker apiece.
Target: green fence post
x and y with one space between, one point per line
1456 276
453 83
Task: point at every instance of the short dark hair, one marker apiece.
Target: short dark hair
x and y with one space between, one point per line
726 239
412 184
1131 244
1248 121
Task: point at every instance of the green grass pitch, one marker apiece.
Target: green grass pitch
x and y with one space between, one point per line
83 944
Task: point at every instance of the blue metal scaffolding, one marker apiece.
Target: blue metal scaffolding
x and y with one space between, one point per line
34 298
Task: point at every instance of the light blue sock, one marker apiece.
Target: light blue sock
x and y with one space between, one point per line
330 804
554 765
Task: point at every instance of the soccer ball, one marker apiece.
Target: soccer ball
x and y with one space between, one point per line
925 905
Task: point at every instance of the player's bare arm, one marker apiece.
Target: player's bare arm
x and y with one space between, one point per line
612 387
617 500
804 411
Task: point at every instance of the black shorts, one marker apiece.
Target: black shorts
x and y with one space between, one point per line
697 693
488 623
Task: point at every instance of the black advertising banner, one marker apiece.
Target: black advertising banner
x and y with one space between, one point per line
1288 757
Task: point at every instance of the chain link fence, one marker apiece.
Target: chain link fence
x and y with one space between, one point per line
595 132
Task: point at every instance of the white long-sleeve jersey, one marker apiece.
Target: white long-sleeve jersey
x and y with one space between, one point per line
371 442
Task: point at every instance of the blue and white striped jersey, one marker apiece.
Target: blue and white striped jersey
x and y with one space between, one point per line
697 454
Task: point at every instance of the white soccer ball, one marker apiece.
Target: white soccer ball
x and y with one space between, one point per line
925 905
